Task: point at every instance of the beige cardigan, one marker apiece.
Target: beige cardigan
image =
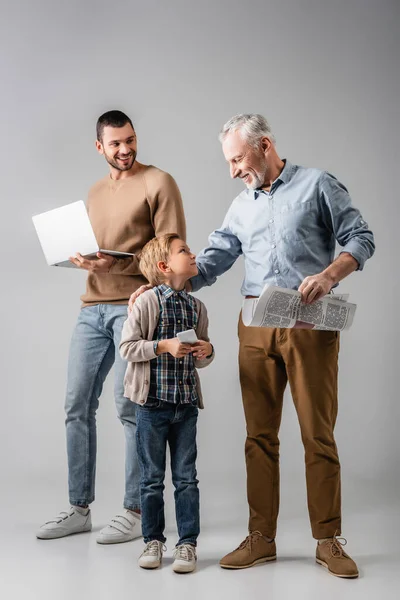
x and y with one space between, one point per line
137 345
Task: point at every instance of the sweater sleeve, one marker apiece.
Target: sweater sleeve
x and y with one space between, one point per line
202 334
134 347
166 206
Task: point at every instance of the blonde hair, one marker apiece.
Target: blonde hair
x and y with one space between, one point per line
156 250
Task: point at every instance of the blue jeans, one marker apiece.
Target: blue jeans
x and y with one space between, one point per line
174 424
93 351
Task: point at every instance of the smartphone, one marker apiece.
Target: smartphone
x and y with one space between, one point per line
187 337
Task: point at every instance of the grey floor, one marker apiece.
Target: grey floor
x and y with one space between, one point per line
78 568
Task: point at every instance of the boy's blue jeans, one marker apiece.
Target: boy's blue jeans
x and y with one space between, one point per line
174 424
93 351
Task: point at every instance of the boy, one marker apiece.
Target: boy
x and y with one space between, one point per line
161 378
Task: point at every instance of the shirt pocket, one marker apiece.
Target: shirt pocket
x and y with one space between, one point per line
295 220
166 328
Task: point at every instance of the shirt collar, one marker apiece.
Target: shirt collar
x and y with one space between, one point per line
285 176
167 291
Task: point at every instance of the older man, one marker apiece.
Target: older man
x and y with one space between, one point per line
286 224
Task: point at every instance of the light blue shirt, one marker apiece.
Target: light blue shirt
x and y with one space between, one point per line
287 233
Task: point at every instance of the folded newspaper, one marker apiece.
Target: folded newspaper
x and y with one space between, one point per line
282 307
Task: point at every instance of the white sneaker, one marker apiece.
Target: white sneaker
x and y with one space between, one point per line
151 556
122 528
185 558
64 524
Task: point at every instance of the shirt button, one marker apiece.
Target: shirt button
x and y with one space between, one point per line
276 271
271 220
180 382
146 381
180 362
273 246
178 321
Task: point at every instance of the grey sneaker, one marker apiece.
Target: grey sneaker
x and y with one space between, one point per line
185 558
66 523
151 556
122 528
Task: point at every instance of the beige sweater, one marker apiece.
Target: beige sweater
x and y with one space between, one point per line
125 215
138 349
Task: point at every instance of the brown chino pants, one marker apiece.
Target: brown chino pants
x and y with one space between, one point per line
268 358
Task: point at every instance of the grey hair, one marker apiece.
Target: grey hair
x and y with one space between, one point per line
252 128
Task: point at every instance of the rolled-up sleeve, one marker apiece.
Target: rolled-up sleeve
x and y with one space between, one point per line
222 251
344 220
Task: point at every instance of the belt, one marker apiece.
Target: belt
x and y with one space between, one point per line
247 297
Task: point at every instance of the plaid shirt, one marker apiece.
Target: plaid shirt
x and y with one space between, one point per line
173 379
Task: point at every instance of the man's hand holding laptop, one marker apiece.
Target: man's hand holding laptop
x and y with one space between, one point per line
101 264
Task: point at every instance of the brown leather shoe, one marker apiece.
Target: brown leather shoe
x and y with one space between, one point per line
330 554
253 550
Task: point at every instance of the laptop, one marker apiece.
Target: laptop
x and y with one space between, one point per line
64 231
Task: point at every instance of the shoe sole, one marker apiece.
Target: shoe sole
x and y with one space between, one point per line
62 535
256 562
324 564
182 571
150 568
105 542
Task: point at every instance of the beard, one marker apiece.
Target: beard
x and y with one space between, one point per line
114 162
257 179
258 173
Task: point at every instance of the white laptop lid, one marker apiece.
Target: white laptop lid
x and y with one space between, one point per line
65 231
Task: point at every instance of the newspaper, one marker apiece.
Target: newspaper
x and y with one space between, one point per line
282 307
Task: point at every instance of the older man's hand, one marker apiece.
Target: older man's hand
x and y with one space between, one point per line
101 264
135 295
315 287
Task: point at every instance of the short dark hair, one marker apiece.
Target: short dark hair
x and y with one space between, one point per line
111 118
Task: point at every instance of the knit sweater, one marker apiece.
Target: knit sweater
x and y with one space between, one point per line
125 214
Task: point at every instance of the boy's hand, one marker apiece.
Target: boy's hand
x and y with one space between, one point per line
174 347
202 349
135 295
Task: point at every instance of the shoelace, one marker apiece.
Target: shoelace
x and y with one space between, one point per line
153 548
336 546
185 552
253 537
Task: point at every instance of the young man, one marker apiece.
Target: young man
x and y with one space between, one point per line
162 379
127 208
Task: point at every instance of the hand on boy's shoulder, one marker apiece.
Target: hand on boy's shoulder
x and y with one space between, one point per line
145 288
136 294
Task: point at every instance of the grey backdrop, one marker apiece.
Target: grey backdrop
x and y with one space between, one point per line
325 75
